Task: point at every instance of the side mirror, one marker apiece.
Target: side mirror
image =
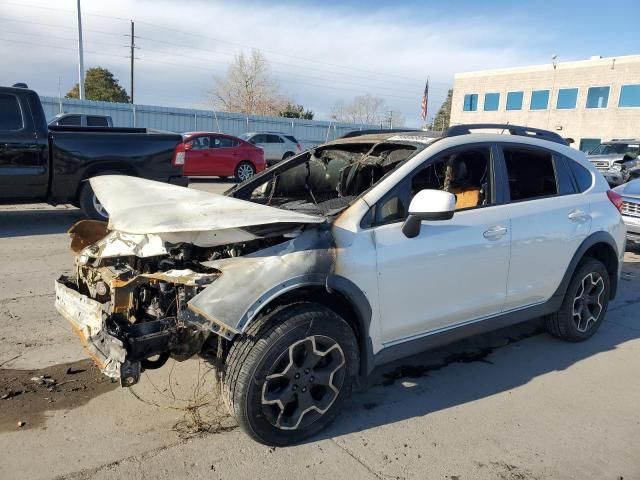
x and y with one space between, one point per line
428 205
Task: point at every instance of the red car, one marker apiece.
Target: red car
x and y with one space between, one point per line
215 154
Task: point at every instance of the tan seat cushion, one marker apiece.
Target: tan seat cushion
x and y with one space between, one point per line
467 198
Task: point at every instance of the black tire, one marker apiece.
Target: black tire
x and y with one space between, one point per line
287 155
242 169
223 177
576 327
86 200
265 350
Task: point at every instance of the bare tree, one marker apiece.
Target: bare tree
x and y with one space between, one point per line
248 87
363 109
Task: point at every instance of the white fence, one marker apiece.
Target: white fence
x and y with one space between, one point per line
180 120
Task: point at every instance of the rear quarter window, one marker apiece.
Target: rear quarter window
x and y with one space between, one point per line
93 121
10 113
582 175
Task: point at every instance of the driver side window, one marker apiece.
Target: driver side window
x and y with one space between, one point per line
463 172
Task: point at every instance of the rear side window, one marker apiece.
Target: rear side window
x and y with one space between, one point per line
94 121
70 121
222 142
10 113
582 175
530 172
274 139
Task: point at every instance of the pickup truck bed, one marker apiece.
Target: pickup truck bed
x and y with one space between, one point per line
51 164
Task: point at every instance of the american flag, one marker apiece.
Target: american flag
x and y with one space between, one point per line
425 99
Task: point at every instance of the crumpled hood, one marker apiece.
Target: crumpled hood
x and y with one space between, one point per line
140 206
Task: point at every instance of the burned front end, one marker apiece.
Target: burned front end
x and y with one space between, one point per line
128 299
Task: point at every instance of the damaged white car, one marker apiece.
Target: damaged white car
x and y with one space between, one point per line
301 280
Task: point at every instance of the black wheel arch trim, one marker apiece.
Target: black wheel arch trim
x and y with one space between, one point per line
600 237
331 283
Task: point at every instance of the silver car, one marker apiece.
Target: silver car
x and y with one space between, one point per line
276 146
617 160
630 193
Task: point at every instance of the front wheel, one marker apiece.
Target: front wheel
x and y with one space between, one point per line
585 303
90 204
244 171
286 377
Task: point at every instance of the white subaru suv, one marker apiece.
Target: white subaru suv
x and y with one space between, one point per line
299 281
276 146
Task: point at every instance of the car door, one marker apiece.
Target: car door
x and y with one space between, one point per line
24 169
197 155
455 270
222 156
549 220
276 147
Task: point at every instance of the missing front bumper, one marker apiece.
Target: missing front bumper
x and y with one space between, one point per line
119 351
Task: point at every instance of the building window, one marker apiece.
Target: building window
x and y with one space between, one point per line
539 100
598 97
567 98
470 102
588 144
629 96
514 100
491 102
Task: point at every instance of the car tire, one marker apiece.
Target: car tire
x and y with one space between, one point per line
277 392
244 171
584 305
90 204
288 155
223 177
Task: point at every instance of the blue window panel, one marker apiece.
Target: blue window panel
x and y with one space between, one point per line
567 98
598 97
470 102
629 96
491 102
514 100
539 100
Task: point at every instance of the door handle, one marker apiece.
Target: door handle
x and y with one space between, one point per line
495 232
578 215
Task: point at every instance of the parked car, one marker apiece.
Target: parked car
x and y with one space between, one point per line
215 154
630 193
276 146
299 281
39 163
81 120
617 160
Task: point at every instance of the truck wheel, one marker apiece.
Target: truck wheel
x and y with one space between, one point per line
90 205
287 375
244 171
584 305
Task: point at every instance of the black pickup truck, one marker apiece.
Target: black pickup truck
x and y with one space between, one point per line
51 164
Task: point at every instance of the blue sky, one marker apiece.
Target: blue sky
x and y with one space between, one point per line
320 52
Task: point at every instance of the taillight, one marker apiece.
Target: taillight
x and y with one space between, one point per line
616 199
298 146
178 155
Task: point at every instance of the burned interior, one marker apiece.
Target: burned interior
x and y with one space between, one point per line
136 287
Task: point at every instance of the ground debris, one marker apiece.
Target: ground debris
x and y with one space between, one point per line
27 394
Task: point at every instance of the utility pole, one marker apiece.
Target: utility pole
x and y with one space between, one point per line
80 56
133 46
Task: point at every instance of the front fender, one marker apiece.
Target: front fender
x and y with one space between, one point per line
248 283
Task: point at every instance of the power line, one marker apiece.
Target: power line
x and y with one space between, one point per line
60 47
63 38
274 52
5 19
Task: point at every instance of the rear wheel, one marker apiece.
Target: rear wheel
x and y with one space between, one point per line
287 155
286 377
244 171
90 204
585 303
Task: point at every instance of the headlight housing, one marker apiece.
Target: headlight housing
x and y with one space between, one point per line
616 167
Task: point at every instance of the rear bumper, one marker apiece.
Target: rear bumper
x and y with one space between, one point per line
117 351
633 228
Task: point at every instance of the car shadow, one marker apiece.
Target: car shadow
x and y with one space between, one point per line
26 222
212 180
494 363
